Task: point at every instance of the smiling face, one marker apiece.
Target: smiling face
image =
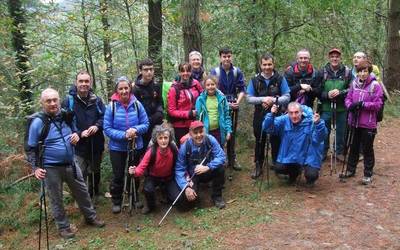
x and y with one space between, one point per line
185 73
50 101
335 60
267 66
195 61
83 84
123 90
211 86
303 59
197 135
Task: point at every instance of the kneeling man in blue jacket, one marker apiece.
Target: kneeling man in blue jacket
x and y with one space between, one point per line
302 141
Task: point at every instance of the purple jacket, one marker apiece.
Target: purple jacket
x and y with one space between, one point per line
370 92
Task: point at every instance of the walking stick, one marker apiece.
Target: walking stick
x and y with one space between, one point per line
183 189
333 144
350 129
265 164
43 204
92 170
132 185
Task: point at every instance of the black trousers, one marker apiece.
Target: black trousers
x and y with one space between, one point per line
179 133
216 176
362 138
261 138
294 170
119 167
166 186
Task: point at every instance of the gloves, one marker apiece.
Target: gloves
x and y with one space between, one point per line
356 106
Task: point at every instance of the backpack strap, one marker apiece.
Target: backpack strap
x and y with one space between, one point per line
70 102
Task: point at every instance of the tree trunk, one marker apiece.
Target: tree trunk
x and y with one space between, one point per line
21 46
132 30
88 51
107 46
392 80
191 26
155 37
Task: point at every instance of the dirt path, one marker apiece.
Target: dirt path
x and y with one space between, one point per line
337 215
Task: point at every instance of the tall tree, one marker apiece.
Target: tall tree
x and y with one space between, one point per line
107 46
21 46
392 78
191 28
155 37
88 51
132 31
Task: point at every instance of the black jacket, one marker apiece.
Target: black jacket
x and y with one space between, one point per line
150 97
87 113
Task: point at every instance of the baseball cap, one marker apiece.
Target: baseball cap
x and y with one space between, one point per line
196 124
335 50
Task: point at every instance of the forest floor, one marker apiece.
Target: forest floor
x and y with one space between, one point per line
332 215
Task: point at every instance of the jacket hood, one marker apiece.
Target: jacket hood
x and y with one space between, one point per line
116 97
367 82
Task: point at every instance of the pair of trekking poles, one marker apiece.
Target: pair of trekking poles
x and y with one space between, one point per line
129 193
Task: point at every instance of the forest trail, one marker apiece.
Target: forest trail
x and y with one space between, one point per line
335 215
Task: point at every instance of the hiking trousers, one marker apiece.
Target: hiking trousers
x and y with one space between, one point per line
166 186
340 130
55 177
119 167
294 170
367 137
90 166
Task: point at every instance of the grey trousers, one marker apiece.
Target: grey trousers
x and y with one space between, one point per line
55 176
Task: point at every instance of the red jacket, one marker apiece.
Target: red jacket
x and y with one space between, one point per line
162 167
180 111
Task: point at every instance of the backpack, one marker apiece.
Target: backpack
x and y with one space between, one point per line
379 115
71 104
135 104
43 133
177 95
153 155
218 72
347 74
188 148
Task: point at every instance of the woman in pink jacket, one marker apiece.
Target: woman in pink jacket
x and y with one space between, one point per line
363 101
181 100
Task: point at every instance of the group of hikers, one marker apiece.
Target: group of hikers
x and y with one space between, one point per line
66 139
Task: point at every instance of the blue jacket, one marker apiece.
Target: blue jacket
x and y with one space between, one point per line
224 120
228 83
115 125
300 144
58 149
190 155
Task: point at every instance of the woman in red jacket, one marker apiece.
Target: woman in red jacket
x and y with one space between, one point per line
157 165
181 100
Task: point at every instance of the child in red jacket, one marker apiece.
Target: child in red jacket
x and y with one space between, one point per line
157 165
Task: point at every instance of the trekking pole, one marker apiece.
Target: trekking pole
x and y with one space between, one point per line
183 189
265 164
42 199
348 142
127 192
333 131
92 169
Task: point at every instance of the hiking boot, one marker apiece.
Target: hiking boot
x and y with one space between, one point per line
96 222
66 233
257 171
236 166
366 180
116 209
347 174
219 202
